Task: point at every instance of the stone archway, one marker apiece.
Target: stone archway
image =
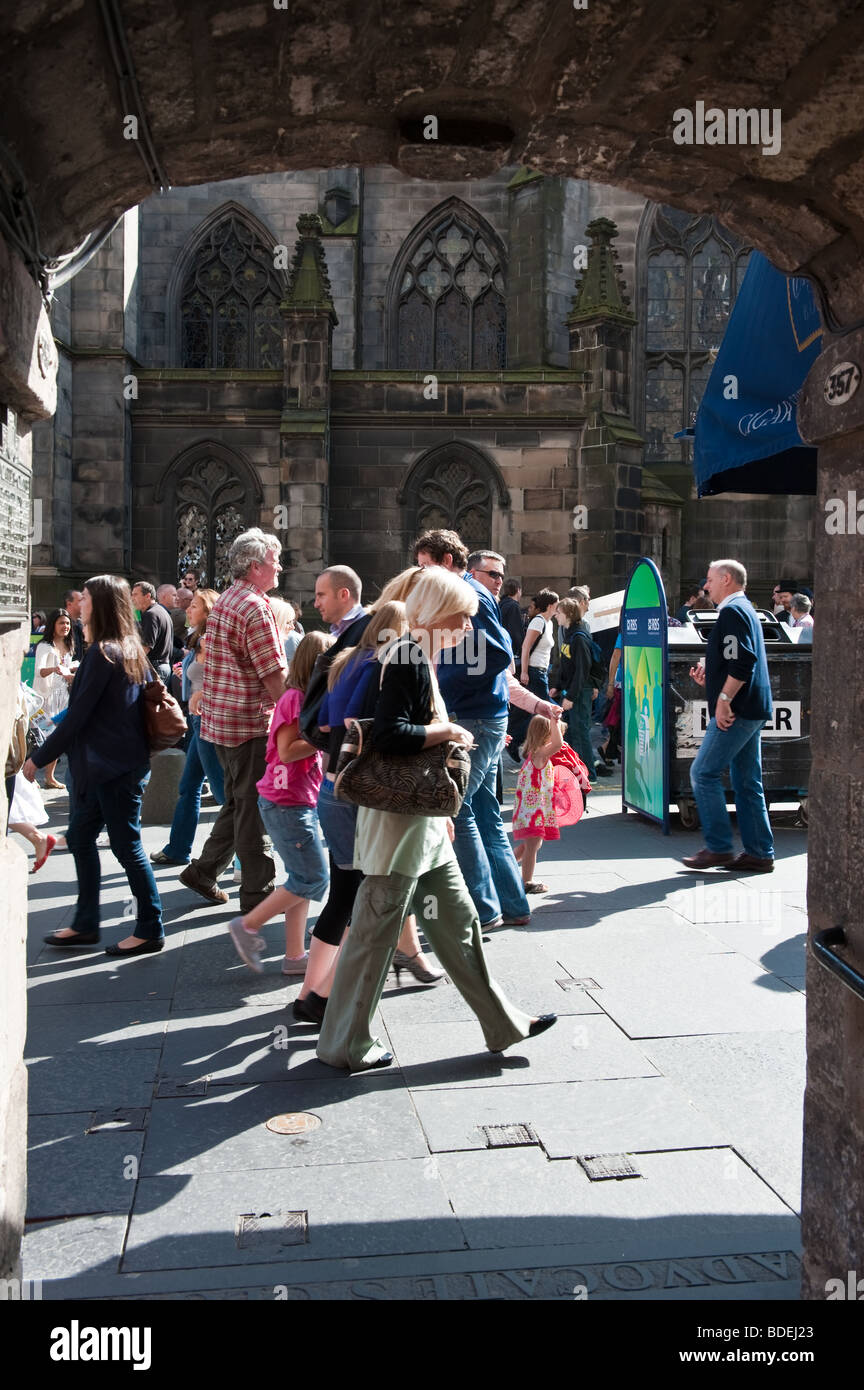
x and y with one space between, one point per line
123 109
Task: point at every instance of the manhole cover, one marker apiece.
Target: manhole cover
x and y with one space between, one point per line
508 1136
599 1167
295 1122
271 1230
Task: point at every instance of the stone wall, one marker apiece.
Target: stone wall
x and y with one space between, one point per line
28 368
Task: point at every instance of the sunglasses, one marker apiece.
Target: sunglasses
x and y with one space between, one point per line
493 574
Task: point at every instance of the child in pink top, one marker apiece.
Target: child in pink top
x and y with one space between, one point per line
287 798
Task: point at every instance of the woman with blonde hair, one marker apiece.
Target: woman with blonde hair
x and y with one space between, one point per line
202 764
408 857
347 681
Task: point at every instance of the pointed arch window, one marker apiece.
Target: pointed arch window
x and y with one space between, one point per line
229 300
454 488
212 506
694 270
447 305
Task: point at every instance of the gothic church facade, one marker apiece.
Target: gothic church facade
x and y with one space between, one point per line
347 356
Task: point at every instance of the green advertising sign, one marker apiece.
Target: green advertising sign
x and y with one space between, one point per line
644 686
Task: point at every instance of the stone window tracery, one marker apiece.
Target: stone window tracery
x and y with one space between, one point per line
210 500
694 270
448 312
229 301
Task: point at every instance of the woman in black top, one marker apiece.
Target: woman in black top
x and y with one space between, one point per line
410 858
105 738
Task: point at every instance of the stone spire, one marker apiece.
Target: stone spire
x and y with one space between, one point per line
601 292
308 282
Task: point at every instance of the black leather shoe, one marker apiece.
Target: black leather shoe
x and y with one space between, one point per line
145 949
311 1009
79 939
541 1024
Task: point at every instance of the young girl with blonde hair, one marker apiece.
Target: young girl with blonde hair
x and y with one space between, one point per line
534 818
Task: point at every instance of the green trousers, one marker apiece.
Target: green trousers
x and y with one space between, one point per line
449 920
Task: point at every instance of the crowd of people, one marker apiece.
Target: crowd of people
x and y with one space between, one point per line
444 655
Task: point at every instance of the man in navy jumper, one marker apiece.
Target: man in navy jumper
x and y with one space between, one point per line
476 687
735 677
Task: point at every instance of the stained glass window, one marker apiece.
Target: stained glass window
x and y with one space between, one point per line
229 303
694 269
447 298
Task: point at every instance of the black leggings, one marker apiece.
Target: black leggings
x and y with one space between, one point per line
336 912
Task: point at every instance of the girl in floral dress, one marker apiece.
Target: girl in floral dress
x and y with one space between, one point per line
534 816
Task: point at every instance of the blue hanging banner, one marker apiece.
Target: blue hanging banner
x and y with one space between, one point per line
746 434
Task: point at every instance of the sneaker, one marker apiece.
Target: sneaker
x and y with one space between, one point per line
290 966
495 922
249 947
190 878
160 857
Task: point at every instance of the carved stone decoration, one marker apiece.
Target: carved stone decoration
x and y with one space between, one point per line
454 488
229 301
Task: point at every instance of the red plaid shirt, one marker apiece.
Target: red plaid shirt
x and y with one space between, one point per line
241 647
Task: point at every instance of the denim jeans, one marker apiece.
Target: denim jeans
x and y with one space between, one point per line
482 847
338 821
297 840
116 805
579 729
740 749
201 764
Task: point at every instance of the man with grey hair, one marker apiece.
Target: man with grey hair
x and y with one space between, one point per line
244 676
487 567
738 689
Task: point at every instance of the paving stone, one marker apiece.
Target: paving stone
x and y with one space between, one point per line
70 1171
94 978
57 1028
92 1079
712 994
572 1117
362 1119
355 1209
235 1045
752 1085
589 1047
212 974
690 1195
75 1246
780 949
632 939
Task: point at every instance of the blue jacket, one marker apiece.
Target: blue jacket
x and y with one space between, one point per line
736 648
103 732
473 675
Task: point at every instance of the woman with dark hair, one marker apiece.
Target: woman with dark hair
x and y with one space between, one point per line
105 737
54 673
201 764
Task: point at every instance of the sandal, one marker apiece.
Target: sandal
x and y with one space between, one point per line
536 887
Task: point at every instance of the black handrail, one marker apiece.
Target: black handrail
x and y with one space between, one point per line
822 949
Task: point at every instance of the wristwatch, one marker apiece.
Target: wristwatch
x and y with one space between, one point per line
724 696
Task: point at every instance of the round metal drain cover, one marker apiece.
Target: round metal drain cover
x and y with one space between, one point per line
295 1122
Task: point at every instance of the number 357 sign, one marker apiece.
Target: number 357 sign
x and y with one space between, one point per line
842 383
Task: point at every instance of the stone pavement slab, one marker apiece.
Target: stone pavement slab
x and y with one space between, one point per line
714 994
687 1195
580 1048
70 1171
226 1131
576 1117
752 1085
93 1080
355 1209
75 1246
66 1027
90 977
